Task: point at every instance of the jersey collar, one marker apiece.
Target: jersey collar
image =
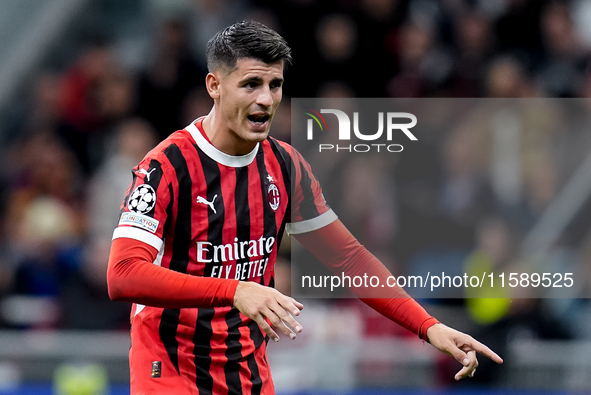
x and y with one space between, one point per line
197 133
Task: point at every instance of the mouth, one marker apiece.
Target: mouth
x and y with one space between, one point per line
259 119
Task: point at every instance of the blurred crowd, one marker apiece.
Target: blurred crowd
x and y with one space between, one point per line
66 161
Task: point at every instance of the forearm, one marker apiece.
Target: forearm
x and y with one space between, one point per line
132 277
337 249
392 302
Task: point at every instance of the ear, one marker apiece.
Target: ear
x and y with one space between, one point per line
212 84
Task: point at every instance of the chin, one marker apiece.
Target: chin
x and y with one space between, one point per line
258 136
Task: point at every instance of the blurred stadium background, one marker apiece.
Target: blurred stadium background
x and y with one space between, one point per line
87 87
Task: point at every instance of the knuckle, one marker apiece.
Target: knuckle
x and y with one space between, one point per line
263 324
281 313
268 299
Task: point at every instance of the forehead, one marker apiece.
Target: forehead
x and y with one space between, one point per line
253 68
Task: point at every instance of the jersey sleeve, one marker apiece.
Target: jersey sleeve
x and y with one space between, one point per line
309 210
339 251
144 212
131 277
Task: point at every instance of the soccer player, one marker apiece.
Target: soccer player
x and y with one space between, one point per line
200 229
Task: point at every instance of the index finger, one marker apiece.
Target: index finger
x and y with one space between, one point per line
298 304
290 304
487 352
282 312
288 319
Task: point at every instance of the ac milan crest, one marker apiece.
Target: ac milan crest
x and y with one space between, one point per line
273 196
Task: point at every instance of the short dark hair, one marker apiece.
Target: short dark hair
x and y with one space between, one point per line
246 39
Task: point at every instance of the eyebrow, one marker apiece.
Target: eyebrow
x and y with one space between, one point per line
259 79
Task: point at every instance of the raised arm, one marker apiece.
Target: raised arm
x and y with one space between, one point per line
336 248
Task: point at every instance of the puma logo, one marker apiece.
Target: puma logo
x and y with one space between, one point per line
210 204
146 173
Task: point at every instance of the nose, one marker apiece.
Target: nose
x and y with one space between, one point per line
265 97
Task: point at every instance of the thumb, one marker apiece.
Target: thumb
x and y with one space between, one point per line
461 357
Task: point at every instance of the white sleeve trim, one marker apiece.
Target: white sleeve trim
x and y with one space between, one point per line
311 224
138 309
138 234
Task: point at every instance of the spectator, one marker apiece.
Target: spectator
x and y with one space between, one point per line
168 78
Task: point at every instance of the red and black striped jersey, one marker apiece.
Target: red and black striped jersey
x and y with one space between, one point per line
215 215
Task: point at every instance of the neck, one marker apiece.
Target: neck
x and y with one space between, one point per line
222 138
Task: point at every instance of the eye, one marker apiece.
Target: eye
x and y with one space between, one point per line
251 85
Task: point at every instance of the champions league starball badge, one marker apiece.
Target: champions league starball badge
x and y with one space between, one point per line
142 200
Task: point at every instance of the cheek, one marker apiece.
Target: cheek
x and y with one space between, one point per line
232 103
236 115
230 110
277 98
237 108
277 103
